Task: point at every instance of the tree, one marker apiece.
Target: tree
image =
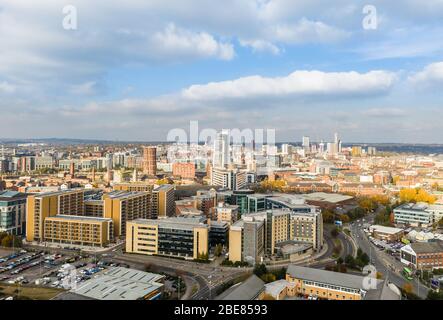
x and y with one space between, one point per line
268 277
260 269
340 261
267 296
7 241
218 250
432 295
416 195
407 288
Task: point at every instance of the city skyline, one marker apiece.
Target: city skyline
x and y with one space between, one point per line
307 67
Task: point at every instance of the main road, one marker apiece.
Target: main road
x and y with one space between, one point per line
384 263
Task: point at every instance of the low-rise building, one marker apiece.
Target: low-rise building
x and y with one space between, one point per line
418 214
387 234
324 284
423 255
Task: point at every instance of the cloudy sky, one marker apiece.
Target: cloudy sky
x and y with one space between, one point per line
136 69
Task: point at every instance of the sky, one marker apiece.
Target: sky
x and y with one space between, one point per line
135 70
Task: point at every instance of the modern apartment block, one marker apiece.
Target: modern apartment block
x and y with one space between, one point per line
232 179
163 201
186 238
307 227
133 186
94 208
122 206
12 212
247 241
89 231
418 214
283 225
43 205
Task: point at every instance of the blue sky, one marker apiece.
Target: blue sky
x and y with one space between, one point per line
136 71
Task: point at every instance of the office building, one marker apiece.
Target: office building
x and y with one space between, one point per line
163 201
122 206
150 160
12 212
43 205
89 231
247 241
418 214
423 255
186 238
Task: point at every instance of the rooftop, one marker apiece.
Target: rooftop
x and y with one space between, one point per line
247 290
78 218
327 277
121 284
11 195
326 197
427 247
384 229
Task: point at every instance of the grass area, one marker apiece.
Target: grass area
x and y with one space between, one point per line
29 292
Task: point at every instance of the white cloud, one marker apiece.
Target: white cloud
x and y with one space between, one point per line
175 41
301 83
432 74
308 31
261 46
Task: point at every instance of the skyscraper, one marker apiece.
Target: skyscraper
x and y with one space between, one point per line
221 150
150 160
306 143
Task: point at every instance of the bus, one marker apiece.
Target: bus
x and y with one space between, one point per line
407 273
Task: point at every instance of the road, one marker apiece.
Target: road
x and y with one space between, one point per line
384 262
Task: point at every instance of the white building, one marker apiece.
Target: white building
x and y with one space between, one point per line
221 156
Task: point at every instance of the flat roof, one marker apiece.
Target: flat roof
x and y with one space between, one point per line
383 229
326 197
118 283
9 195
79 218
59 192
185 223
124 194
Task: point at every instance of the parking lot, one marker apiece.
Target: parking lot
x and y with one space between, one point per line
50 269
